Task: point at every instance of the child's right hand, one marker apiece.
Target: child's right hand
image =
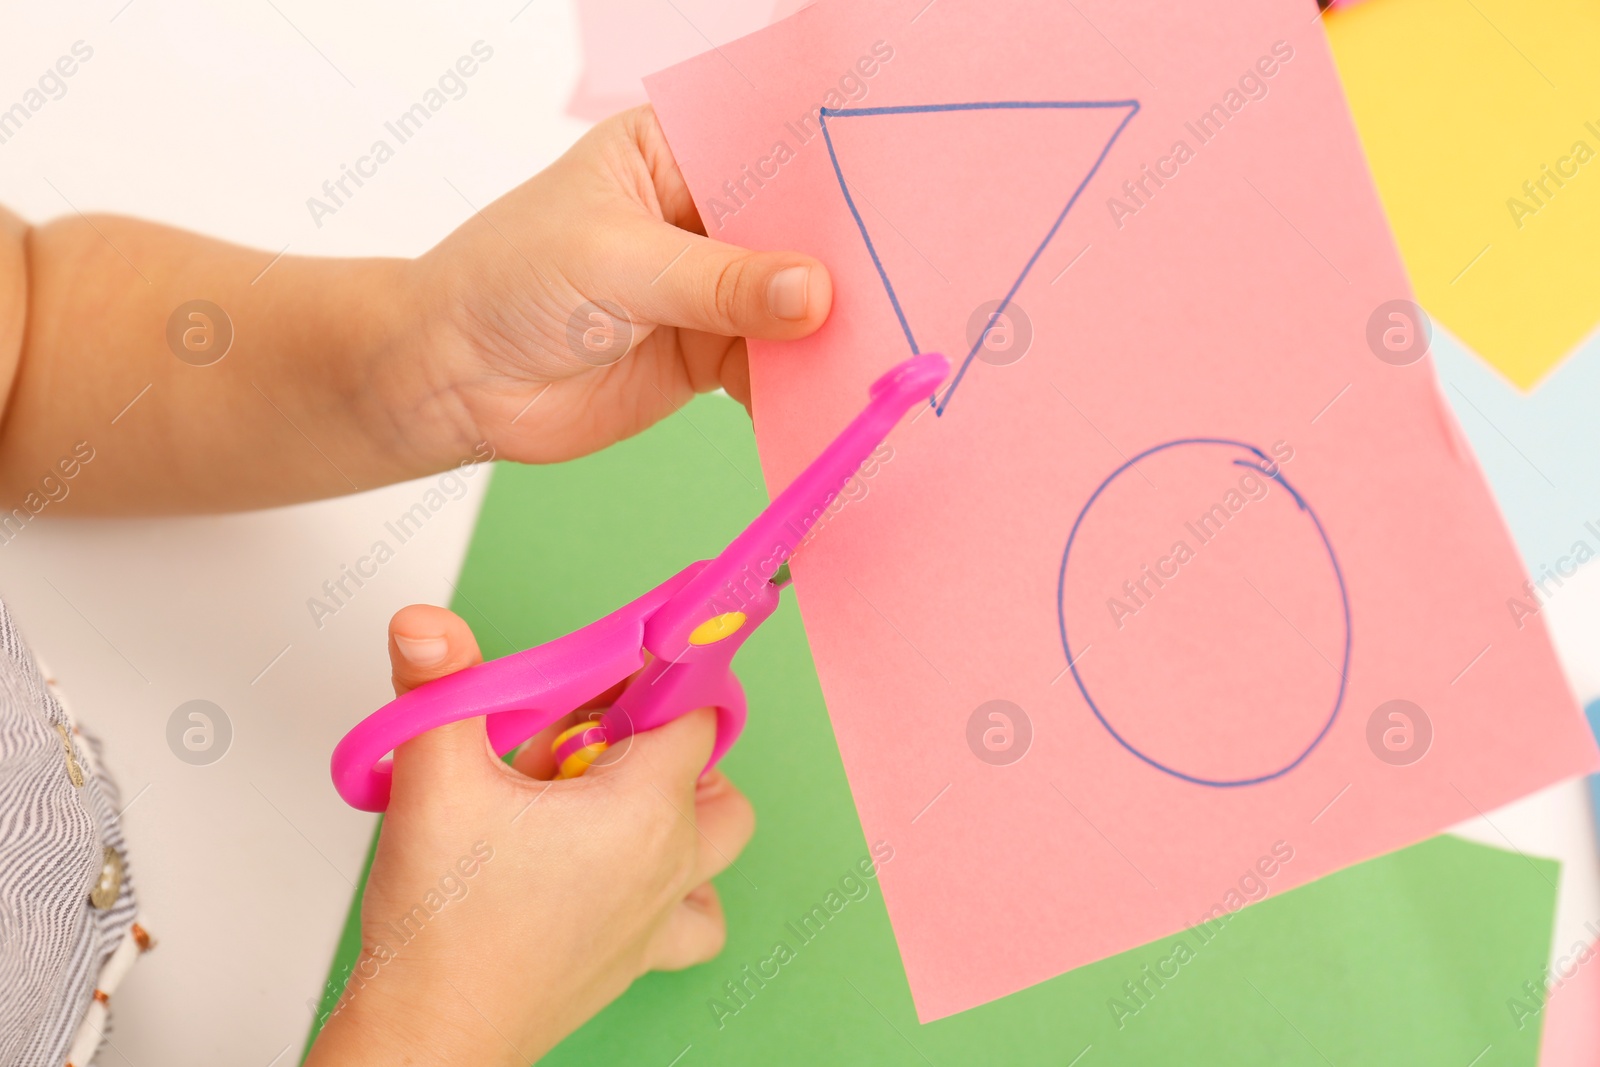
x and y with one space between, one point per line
503 910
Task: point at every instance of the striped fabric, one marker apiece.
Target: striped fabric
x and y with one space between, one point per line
53 836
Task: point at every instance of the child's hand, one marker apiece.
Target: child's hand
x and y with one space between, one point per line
576 310
502 910
589 293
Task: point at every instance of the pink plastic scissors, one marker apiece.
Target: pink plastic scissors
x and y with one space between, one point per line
692 625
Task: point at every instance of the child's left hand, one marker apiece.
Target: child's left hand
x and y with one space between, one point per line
574 311
525 298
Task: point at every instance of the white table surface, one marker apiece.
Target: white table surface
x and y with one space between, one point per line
225 117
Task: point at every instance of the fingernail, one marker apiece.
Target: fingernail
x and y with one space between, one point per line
709 783
787 293
422 651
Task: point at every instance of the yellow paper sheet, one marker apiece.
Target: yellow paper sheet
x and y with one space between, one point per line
1472 113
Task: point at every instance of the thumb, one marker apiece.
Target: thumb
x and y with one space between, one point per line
677 278
427 642
670 757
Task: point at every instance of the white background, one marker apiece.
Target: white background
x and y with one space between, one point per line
225 117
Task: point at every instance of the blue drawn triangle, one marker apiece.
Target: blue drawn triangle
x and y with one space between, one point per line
940 402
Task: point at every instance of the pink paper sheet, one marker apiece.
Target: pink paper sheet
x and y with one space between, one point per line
1241 739
623 40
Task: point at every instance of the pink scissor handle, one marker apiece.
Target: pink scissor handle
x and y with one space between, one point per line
521 694
702 677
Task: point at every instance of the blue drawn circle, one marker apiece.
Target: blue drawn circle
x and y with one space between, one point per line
1272 470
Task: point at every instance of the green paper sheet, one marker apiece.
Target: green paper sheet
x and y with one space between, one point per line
1407 959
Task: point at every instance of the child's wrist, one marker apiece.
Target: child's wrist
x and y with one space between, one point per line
388 1026
400 381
